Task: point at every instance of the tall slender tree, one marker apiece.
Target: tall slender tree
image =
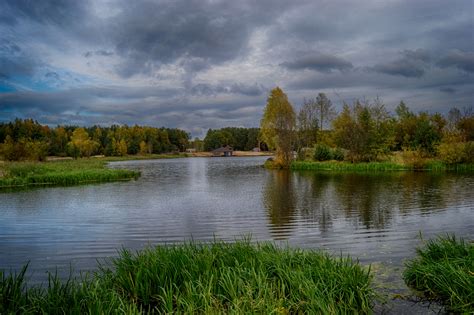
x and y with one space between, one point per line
277 126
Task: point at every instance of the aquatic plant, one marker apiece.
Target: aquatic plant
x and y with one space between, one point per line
444 270
211 278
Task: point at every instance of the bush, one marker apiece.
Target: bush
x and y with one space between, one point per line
469 152
322 152
338 154
452 152
414 159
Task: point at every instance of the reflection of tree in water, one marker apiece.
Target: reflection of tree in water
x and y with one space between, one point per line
280 202
424 191
368 197
316 203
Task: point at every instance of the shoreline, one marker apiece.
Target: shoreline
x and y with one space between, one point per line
66 171
334 166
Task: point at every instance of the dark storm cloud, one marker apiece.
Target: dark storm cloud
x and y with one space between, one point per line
150 34
209 64
413 64
458 59
319 62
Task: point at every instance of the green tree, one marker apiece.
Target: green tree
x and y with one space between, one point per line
277 126
365 130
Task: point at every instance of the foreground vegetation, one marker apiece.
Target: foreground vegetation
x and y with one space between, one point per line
198 278
68 172
444 270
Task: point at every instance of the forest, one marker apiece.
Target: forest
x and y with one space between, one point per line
28 140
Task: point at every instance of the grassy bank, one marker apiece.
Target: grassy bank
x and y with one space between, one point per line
444 270
68 172
378 166
196 278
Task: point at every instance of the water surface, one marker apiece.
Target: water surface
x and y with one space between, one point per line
376 217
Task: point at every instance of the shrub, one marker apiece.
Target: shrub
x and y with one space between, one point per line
338 154
322 152
452 152
469 152
414 159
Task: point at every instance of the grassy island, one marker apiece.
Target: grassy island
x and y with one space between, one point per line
62 173
444 271
203 278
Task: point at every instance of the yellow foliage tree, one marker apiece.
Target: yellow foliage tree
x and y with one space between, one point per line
277 126
81 144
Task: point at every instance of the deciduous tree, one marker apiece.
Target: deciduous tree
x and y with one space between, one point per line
277 126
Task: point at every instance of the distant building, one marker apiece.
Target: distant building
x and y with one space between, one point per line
256 149
223 151
191 150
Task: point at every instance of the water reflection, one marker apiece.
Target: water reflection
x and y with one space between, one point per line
375 217
366 201
279 199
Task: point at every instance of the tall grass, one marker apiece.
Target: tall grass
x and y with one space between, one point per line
71 172
444 270
378 166
346 166
198 278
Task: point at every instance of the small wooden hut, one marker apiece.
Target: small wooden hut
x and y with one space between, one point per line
223 151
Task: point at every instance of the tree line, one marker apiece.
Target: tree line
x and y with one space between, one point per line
26 139
364 131
243 139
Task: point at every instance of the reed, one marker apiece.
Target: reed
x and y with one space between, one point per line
444 270
347 166
62 173
211 278
433 166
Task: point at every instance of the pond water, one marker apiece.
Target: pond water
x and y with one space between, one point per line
376 217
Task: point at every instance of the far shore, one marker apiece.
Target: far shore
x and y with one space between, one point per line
234 153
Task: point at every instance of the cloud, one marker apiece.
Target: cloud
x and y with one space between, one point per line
102 53
458 59
319 62
15 61
448 90
413 64
196 63
158 33
203 89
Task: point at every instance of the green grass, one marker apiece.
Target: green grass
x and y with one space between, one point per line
62 173
215 278
377 166
347 166
444 270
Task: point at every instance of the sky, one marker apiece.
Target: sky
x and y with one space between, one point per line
201 64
